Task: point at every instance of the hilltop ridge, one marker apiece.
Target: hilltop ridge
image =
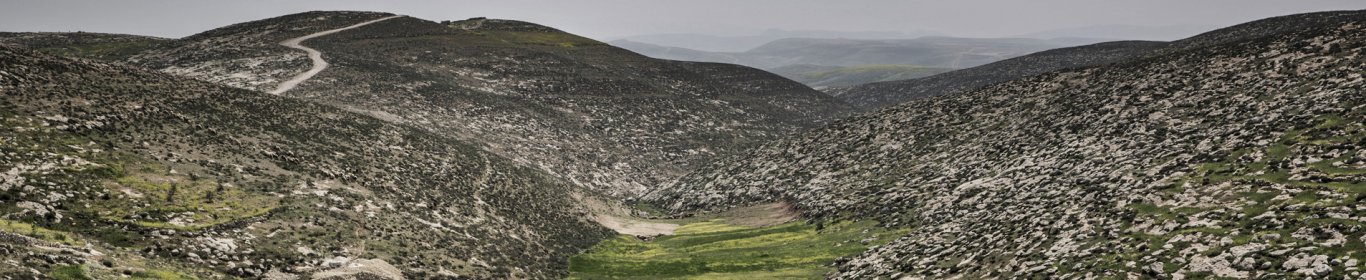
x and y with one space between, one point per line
882 94
871 96
246 55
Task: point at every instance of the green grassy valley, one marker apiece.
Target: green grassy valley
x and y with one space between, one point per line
715 249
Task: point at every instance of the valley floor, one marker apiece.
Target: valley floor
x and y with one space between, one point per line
759 242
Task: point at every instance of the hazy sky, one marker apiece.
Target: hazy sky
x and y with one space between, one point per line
612 18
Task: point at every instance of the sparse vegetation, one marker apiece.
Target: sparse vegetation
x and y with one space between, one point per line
40 233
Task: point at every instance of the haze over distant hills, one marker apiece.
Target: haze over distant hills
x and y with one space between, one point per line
1124 32
842 62
740 43
947 52
834 59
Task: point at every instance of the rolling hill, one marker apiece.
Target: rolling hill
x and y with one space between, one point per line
1236 154
592 114
881 94
877 95
113 170
100 46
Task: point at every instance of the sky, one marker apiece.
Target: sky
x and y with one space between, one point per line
619 18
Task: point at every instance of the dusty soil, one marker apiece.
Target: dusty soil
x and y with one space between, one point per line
617 216
633 226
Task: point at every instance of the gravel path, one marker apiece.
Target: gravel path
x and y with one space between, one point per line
318 63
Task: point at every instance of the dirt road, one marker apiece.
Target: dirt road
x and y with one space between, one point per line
317 57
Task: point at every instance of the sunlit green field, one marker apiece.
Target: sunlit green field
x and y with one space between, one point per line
716 250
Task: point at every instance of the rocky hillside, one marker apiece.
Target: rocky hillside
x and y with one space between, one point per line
881 94
101 46
592 114
108 171
246 55
1243 158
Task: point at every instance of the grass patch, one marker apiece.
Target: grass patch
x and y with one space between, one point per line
40 233
161 275
73 272
1327 167
715 250
1155 211
150 198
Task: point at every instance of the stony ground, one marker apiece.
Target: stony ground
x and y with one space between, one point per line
1238 158
108 170
598 116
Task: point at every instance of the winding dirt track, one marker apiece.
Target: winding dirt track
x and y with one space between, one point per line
317 57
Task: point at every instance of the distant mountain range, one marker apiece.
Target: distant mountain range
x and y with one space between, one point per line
1124 32
715 43
939 52
838 59
844 62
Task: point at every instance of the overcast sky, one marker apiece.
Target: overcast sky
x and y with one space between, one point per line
614 18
